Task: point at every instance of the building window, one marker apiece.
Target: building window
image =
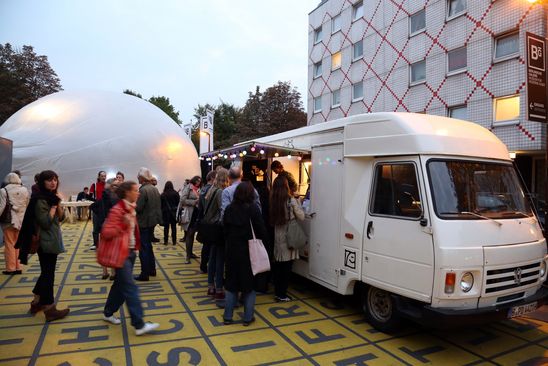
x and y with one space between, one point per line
459 112
357 11
357 50
506 108
455 8
418 72
317 69
357 91
336 24
456 60
318 104
318 35
336 60
336 98
417 22
507 46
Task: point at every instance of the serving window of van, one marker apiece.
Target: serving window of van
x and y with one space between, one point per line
472 190
396 191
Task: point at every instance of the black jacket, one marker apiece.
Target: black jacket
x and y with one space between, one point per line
237 231
170 201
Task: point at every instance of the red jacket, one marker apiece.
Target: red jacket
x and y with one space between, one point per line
96 190
114 246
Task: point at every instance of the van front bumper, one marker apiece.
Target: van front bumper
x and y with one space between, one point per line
441 317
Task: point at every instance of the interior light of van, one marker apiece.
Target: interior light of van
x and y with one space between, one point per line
466 281
450 282
542 271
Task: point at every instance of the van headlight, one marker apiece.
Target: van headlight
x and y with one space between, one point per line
466 282
542 268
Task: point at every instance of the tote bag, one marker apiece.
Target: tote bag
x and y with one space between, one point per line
257 254
296 237
112 253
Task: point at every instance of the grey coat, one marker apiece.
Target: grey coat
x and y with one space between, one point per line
149 206
281 252
188 200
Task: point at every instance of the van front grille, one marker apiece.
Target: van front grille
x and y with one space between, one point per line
502 279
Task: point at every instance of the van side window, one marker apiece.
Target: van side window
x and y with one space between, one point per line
396 191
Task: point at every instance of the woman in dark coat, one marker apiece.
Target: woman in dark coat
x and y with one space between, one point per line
237 229
170 200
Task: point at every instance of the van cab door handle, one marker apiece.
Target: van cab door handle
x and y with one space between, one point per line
369 229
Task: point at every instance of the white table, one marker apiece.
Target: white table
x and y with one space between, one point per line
69 213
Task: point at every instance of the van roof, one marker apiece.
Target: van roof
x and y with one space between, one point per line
396 133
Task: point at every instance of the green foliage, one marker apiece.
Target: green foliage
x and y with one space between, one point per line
165 105
24 77
131 92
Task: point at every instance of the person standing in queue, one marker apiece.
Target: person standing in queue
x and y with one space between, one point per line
149 214
204 260
238 218
96 191
45 212
278 168
170 199
13 197
121 222
283 207
189 201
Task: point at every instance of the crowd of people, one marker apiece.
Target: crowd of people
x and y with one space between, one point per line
225 213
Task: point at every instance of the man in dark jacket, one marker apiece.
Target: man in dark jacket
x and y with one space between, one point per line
278 168
149 214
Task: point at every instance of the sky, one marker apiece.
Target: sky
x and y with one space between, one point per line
193 52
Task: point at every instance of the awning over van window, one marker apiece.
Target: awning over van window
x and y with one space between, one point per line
254 150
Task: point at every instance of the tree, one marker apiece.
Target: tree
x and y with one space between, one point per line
279 108
24 77
164 104
225 117
131 92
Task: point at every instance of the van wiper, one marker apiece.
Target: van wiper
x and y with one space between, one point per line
482 217
516 213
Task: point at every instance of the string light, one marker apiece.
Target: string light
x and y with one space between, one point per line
244 152
289 156
252 148
299 158
261 152
226 156
276 154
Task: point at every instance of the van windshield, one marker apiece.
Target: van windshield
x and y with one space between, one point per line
469 190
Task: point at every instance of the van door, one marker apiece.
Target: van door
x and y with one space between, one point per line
325 202
399 252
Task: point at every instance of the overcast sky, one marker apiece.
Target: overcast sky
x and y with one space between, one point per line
190 51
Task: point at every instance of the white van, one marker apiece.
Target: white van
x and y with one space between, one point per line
425 215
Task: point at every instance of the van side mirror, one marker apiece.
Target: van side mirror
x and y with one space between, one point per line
423 221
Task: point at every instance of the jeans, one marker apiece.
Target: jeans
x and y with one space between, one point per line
189 242
248 298
125 290
216 265
146 253
282 273
96 228
173 224
44 285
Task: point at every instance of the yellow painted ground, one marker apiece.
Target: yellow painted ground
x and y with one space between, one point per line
318 328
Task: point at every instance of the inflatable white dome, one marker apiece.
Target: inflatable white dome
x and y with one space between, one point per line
77 134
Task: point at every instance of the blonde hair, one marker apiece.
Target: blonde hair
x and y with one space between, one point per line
221 181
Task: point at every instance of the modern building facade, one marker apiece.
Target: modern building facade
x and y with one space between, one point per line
460 58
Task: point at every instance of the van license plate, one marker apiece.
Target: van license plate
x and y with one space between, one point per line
522 310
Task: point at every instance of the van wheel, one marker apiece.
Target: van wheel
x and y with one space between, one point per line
380 309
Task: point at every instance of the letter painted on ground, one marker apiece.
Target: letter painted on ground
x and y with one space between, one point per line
331 305
150 304
88 277
186 272
284 313
88 266
319 336
208 300
174 255
151 288
89 291
99 361
28 279
83 334
484 337
536 361
177 326
253 346
86 309
194 284
420 353
356 360
173 357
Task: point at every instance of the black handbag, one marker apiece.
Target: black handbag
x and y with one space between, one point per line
210 233
6 214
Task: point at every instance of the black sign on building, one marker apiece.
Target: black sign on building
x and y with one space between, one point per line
536 78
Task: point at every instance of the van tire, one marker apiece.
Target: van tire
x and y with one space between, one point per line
380 309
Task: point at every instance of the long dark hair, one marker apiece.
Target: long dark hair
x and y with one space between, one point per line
244 194
278 200
47 175
168 187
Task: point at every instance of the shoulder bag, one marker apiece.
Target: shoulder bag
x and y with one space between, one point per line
211 233
296 237
5 218
257 254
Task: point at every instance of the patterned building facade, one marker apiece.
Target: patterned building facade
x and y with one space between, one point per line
459 58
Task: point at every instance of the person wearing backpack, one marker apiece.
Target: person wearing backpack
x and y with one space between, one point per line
283 208
14 199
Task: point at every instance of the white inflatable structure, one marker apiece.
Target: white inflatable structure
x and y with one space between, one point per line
77 134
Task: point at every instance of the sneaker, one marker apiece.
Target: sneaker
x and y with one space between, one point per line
112 319
148 327
282 299
93 247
